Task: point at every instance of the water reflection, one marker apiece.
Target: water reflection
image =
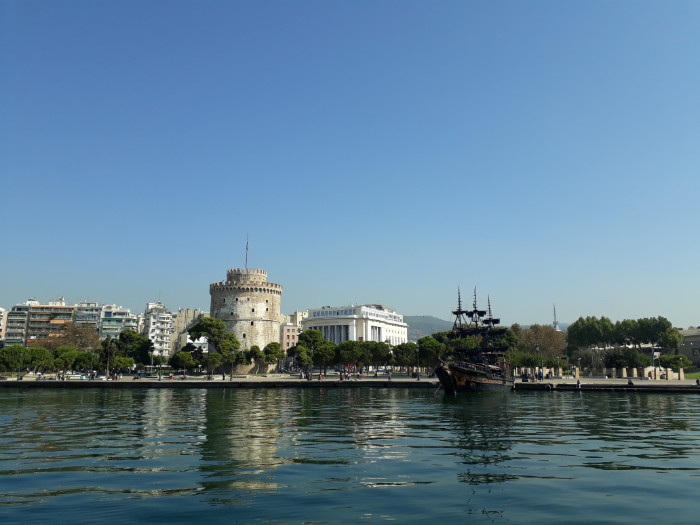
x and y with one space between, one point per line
355 454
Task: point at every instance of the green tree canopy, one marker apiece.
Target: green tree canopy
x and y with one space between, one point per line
674 362
273 353
136 346
182 360
256 355
379 353
302 356
212 361
430 351
324 355
406 354
12 357
311 339
64 358
40 358
352 353
671 338
123 363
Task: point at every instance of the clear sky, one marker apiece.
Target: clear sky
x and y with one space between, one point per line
544 152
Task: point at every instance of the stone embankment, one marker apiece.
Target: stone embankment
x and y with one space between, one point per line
285 381
270 381
612 385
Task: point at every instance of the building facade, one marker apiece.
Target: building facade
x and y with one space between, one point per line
47 321
3 320
16 325
182 320
115 319
158 327
248 305
370 322
87 313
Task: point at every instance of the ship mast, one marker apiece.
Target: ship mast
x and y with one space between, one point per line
460 315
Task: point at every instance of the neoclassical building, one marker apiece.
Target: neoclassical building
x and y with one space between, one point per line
369 322
249 305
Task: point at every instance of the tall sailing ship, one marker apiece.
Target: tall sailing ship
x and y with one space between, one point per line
483 368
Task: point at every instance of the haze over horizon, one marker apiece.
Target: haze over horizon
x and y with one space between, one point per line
390 152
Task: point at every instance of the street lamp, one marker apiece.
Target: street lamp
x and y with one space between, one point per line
558 367
579 366
537 349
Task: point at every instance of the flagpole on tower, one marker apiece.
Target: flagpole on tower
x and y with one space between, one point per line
246 251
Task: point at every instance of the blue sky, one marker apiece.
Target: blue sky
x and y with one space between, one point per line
544 152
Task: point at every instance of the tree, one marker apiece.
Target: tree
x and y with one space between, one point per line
406 354
674 362
324 355
226 343
212 361
12 357
311 339
302 356
82 338
86 361
123 363
135 345
671 338
110 350
182 360
64 358
352 353
256 356
273 353
430 351
550 342
214 329
39 358
622 358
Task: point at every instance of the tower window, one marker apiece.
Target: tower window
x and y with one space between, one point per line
251 323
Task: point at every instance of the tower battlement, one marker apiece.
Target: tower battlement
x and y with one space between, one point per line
248 305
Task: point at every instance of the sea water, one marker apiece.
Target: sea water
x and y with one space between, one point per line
360 455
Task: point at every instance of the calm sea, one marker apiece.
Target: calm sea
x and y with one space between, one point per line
333 455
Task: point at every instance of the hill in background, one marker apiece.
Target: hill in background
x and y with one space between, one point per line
424 325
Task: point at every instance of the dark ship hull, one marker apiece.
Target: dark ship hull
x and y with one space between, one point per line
473 377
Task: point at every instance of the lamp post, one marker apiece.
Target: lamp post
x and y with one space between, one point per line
579 366
558 368
537 349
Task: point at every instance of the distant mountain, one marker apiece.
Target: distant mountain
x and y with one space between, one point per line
424 325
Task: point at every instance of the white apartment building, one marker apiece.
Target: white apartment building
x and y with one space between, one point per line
158 327
370 322
3 320
87 313
115 319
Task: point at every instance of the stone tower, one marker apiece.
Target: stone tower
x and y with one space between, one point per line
249 305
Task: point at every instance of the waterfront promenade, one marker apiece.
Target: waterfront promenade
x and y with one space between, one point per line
275 381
